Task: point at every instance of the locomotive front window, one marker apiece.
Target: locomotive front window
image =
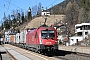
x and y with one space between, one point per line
47 33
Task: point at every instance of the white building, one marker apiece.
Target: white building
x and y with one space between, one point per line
81 31
7 35
45 12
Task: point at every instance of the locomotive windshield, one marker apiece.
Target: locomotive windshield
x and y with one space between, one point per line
47 34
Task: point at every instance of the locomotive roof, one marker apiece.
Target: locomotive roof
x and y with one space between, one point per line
44 25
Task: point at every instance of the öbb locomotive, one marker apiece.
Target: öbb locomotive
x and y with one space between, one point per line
41 39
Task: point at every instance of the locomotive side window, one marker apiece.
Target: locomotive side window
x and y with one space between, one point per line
47 34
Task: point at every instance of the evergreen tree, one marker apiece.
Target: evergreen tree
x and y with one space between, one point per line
22 18
29 14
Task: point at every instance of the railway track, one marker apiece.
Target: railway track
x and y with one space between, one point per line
66 55
83 54
61 58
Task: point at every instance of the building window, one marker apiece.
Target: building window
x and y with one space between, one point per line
86 33
72 39
44 13
79 34
77 40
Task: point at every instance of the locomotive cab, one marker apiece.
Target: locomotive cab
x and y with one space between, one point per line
48 38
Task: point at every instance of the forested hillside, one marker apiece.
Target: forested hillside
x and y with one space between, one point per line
76 11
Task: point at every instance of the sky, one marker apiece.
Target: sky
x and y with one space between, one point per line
7 6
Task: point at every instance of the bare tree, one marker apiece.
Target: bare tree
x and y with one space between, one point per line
81 15
39 9
72 13
88 20
61 10
34 10
68 13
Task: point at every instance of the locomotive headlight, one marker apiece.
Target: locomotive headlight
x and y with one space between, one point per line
56 41
40 41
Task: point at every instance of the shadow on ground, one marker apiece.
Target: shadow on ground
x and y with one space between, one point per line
63 53
60 53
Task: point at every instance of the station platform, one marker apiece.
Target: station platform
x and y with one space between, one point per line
16 55
2 50
79 49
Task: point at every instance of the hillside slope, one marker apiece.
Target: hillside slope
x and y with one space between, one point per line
50 20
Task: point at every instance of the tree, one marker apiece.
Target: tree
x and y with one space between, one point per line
29 14
85 4
39 9
81 15
34 10
9 21
68 13
22 18
72 11
6 25
88 20
61 10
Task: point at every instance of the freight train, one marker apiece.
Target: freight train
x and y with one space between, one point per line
41 39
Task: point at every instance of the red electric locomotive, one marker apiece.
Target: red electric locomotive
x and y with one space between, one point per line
42 39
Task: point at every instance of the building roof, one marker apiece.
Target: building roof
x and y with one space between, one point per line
82 24
45 11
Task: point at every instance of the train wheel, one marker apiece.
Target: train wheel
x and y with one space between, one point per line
23 47
26 48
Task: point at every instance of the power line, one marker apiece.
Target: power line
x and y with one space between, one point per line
52 3
30 2
8 5
35 2
14 5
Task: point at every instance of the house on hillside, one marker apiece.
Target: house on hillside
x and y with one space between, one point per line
82 31
62 32
45 12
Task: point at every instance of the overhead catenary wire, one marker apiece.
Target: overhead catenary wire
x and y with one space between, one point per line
8 5
14 5
34 2
51 3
